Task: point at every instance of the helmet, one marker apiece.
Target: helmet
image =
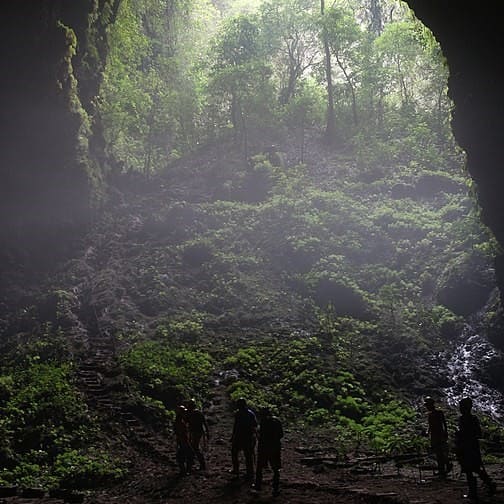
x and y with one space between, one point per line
429 401
181 409
241 403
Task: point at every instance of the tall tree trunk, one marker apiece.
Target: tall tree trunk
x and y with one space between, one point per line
352 90
376 17
234 116
330 134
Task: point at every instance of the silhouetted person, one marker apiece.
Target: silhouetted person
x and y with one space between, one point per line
468 449
243 438
438 434
269 449
184 455
198 428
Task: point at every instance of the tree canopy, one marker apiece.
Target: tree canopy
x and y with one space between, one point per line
181 74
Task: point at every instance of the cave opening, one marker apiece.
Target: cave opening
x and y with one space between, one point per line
217 200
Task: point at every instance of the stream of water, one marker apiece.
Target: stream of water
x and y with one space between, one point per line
465 365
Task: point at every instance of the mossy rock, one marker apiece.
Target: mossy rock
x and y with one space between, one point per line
430 184
345 300
466 284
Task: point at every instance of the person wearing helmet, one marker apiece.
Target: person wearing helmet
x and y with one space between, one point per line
198 428
184 454
243 438
438 434
467 449
269 449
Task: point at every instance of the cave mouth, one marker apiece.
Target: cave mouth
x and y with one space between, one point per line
183 218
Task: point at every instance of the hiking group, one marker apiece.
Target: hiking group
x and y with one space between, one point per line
260 442
467 447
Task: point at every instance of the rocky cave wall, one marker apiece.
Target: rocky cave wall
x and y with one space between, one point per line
470 34
52 55
51 62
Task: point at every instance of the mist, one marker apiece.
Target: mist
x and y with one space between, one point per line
260 201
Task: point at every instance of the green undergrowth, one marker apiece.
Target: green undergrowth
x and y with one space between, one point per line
167 373
48 437
314 384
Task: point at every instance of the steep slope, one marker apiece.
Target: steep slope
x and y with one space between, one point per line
299 283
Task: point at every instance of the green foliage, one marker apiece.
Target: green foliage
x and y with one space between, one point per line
391 428
150 102
167 373
308 380
239 42
46 402
240 76
306 108
290 38
185 330
345 334
43 342
71 469
298 373
44 420
163 93
74 469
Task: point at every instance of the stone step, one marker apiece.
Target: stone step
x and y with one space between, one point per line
106 404
96 391
92 383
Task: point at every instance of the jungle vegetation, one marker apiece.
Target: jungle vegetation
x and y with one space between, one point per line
291 212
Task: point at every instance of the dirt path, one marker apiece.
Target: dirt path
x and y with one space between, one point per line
311 472
305 478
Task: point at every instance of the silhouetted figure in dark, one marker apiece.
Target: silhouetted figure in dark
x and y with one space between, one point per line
198 428
438 434
468 449
184 455
269 449
243 438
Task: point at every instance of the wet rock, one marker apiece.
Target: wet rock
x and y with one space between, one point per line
466 284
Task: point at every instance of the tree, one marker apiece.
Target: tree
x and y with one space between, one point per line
240 76
150 101
398 49
375 16
305 110
330 133
290 34
345 40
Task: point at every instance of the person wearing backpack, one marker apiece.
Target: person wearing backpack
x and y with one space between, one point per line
243 438
198 429
467 449
269 449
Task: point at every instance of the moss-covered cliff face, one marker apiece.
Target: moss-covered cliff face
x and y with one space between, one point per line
470 34
51 61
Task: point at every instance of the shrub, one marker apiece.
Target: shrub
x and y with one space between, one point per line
168 373
46 411
74 469
196 253
43 417
187 330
